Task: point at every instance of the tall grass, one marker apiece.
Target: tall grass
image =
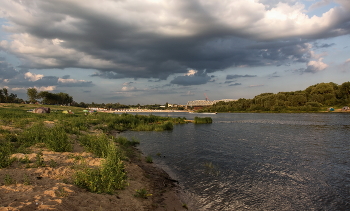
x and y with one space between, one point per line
55 138
97 144
5 152
202 120
110 176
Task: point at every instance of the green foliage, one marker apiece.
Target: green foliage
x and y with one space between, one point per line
39 159
25 160
149 159
203 120
52 163
26 180
97 144
142 193
57 140
109 177
32 94
9 180
5 152
312 99
125 142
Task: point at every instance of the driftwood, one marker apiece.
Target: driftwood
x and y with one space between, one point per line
41 110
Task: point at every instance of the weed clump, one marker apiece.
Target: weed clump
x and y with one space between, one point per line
203 120
110 176
5 152
142 193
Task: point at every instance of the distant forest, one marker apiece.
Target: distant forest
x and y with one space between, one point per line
314 98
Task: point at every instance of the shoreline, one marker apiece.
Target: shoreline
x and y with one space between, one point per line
165 190
51 188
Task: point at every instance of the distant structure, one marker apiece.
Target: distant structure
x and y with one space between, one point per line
199 104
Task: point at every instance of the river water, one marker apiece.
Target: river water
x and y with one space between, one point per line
257 161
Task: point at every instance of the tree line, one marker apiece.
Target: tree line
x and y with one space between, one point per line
313 98
49 98
6 97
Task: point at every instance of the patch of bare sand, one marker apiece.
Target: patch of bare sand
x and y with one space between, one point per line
25 186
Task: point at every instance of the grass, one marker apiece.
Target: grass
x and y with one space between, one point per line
5 153
149 159
203 120
142 193
20 130
9 180
26 180
39 159
110 176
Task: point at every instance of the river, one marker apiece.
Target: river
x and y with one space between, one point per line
257 161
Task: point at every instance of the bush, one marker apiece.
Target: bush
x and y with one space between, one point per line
109 177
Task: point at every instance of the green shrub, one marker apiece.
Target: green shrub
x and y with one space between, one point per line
142 193
125 142
39 159
202 120
97 144
9 180
33 135
149 159
109 177
57 140
5 152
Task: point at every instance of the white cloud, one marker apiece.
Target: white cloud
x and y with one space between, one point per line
128 88
32 76
320 4
316 66
45 88
191 72
70 80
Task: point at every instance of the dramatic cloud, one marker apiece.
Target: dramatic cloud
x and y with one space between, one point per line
155 39
6 70
193 77
33 77
229 77
28 79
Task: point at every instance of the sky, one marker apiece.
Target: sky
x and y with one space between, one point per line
157 51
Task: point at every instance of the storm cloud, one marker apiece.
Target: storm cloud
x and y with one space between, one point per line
156 39
229 77
7 71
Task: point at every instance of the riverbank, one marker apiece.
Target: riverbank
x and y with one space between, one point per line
25 187
41 154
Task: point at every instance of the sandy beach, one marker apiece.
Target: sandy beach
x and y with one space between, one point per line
50 187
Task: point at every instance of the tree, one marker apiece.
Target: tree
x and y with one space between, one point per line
6 94
32 95
1 96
